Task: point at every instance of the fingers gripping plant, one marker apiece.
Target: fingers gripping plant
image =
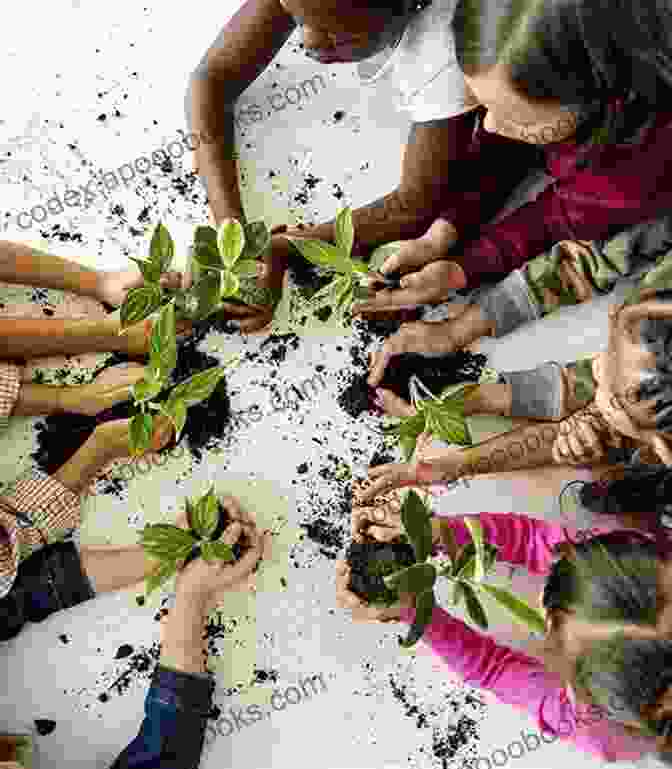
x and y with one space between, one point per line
442 417
172 545
351 275
466 572
224 267
162 362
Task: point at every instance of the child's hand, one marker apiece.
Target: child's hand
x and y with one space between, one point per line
113 286
430 285
137 336
361 611
432 338
581 440
381 522
429 466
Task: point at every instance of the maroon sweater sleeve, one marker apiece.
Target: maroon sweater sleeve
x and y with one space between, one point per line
628 184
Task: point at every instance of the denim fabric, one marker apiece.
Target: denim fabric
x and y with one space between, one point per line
49 580
172 734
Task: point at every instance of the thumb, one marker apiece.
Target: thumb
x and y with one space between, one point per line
391 264
412 280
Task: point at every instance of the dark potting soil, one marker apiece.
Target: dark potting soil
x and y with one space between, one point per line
60 435
435 373
370 561
381 457
306 276
44 726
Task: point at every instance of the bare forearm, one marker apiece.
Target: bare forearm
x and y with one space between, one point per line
115 568
23 339
183 644
215 158
520 449
30 267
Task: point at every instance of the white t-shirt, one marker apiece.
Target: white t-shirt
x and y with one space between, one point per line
423 67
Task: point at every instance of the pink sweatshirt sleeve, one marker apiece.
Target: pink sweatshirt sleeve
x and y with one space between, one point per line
521 539
520 680
629 184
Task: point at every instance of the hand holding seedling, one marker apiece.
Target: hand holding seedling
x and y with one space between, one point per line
412 254
465 324
375 577
213 532
430 285
445 465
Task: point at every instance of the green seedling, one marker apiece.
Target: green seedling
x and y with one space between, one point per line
467 572
351 276
442 416
172 545
162 362
223 265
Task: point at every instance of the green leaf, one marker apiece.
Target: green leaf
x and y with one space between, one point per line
140 433
408 429
414 579
416 519
475 609
222 551
162 343
359 266
245 267
166 541
162 574
519 609
145 390
257 240
424 607
345 232
380 255
203 298
150 271
162 248
344 298
206 514
176 411
198 387
140 303
230 285
476 531
458 593
230 241
205 251
322 254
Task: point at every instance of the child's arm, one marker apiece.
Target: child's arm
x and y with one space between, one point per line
581 268
521 539
522 681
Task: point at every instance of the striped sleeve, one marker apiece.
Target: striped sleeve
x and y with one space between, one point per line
10 382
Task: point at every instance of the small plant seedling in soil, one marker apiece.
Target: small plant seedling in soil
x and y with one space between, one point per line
172 545
223 265
466 571
442 417
162 362
352 276
435 373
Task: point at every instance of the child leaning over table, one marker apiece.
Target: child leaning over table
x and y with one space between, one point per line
620 399
593 590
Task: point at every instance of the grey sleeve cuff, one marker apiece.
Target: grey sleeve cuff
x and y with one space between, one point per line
509 304
537 392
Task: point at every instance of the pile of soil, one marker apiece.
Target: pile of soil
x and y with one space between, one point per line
308 278
370 562
59 436
435 373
